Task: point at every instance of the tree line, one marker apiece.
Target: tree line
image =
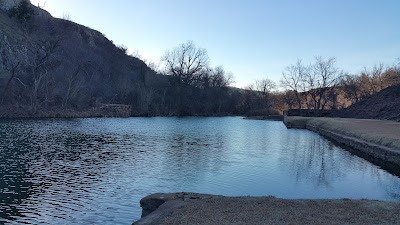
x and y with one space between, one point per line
50 78
317 86
54 67
61 66
189 85
320 86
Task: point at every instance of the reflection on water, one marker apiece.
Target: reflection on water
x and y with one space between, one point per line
94 171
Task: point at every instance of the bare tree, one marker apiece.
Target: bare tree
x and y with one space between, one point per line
351 88
145 98
41 52
391 76
265 86
293 79
218 77
66 16
74 83
289 98
187 63
247 103
153 65
321 81
375 79
13 71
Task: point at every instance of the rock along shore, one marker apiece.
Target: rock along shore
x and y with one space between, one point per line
375 140
194 208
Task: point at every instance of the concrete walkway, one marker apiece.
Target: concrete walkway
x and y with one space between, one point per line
375 140
383 132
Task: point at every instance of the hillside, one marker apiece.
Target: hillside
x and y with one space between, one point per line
55 67
53 63
384 105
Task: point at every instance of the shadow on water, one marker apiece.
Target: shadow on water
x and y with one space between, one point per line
14 185
390 167
323 163
38 164
312 159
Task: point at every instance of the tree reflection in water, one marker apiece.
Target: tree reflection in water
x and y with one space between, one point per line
320 162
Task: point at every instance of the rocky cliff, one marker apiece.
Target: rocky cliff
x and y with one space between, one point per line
55 64
55 67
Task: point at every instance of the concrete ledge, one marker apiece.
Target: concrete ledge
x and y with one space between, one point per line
158 206
369 138
193 208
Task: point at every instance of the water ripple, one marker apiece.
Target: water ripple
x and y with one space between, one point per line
94 171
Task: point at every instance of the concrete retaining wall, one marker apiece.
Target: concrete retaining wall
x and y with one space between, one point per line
366 148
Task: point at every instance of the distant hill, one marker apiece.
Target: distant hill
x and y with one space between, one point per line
384 105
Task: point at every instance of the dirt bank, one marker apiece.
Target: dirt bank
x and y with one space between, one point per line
383 105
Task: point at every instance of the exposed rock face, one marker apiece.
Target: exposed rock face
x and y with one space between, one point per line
84 67
50 65
8 4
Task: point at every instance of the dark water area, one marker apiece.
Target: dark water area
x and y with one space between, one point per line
95 171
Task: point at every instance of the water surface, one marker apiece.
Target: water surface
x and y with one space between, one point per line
95 171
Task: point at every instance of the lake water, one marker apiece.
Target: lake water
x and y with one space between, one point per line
95 171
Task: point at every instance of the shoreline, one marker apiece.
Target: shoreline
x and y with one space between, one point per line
94 113
377 141
194 208
374 140
272 118
82 116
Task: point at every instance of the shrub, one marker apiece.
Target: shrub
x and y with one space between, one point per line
123 49
23 11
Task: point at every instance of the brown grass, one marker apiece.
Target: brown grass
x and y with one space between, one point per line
269 210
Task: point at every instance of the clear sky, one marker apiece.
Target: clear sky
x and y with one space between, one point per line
254 39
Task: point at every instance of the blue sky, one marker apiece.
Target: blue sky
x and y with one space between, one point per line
252 39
